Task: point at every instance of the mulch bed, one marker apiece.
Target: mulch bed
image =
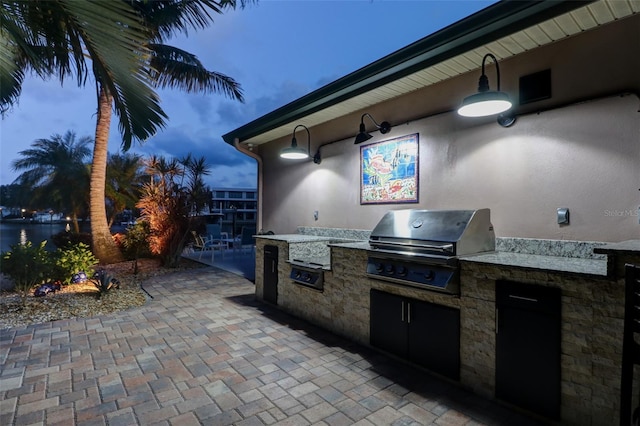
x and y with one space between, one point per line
80 300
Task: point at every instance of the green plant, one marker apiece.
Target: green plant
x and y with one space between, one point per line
104 282
27 266
136 242
64 239
168 204
73 259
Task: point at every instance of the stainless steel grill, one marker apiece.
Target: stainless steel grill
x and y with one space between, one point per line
420 248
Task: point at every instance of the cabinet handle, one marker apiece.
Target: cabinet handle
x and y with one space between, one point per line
402 311
273 266
528 299
408 313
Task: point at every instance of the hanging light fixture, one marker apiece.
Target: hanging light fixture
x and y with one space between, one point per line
294 152
362 135
485 102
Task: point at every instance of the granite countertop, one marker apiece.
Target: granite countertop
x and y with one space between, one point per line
624 247
574 265
596 267
295 238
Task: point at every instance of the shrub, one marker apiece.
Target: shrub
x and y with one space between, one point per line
27 265
72 260
65 239
136 241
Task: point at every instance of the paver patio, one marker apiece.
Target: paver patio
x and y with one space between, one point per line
204 351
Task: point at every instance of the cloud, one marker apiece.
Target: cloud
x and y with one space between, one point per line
228 166
233 115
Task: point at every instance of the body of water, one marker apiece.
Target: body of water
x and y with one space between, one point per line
17 232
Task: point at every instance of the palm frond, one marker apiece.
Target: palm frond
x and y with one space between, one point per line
59 37
119 58
169 18
172 67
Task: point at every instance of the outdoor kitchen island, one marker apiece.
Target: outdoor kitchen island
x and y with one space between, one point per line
590 299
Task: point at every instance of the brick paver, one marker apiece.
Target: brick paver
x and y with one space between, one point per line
204 351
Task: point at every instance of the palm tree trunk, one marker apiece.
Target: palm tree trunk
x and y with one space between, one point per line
74 220
104 247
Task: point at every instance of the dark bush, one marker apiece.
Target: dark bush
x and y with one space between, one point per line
64 239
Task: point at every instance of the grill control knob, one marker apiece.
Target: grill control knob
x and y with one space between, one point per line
402 271
389 269
378 267
429 275
298 275
307 277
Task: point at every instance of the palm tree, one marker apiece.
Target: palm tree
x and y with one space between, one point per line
120 38
195 169
105 39
124 179
66 38
56 171
169 67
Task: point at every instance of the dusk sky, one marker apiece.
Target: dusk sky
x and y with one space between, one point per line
277 50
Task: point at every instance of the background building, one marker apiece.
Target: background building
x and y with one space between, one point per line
234 208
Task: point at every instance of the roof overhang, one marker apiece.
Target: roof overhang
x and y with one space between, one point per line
505 29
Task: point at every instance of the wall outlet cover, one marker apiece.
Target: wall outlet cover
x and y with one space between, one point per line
563 216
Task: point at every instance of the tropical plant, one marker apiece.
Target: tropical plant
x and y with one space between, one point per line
123 40
198 193
66 38
166 206
72 260
168 67
65 239
56 172
104 282
27 266
124 178
136 242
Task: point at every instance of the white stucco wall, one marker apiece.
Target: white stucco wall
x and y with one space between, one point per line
585 156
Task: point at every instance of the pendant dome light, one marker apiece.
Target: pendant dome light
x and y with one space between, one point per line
294 152
485 102
363 136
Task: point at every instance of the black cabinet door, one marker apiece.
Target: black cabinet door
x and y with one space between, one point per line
270 274
528 347
388 328
434 337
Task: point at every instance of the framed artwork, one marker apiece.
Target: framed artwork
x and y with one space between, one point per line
389 171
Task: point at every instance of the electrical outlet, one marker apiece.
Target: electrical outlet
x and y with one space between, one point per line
315 215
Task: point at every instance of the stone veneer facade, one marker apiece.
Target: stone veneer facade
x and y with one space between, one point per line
592 318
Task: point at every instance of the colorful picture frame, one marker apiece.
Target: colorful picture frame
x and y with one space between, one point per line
389 171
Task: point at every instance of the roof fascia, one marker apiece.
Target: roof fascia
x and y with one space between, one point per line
482 27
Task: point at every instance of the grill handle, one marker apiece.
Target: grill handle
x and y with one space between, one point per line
444 248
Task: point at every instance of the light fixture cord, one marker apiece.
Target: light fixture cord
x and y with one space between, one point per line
370 117
308 137
497 67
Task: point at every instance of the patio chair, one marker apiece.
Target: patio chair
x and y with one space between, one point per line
216 235
201 244
246 238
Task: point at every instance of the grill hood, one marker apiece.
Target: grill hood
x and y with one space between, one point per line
434 232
